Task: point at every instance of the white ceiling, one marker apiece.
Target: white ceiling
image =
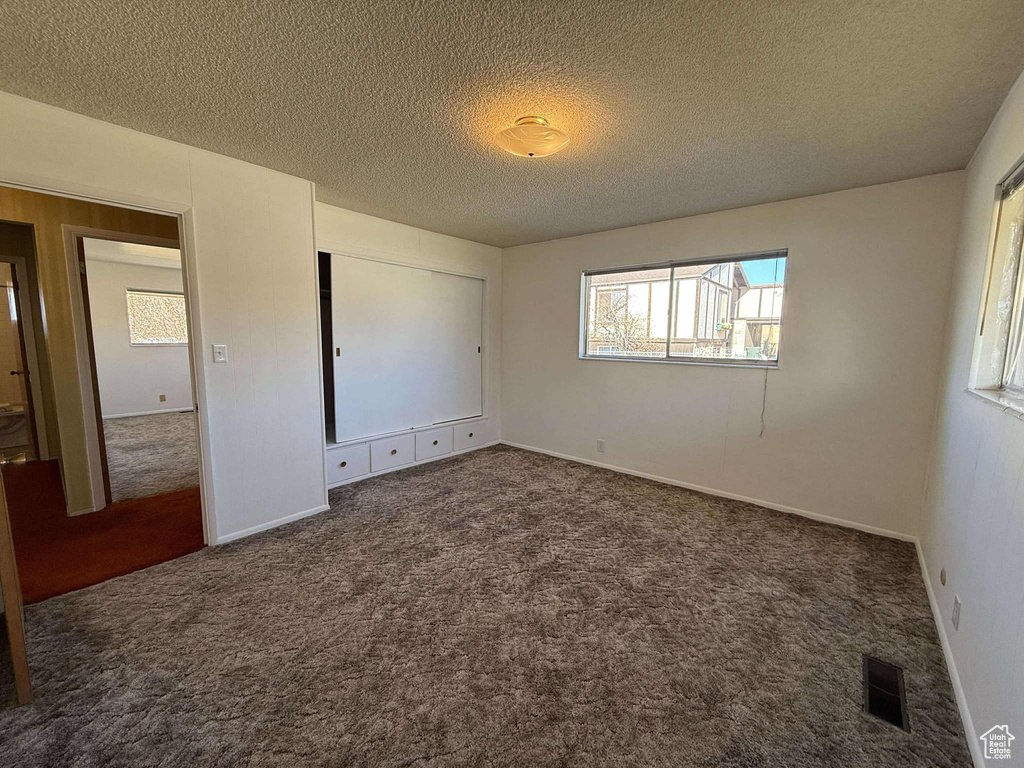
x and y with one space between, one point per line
131 253
673 108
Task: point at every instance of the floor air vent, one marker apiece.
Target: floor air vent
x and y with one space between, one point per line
884 695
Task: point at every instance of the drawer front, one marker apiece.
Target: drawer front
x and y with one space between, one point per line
392 452
436 442
468 435
346 463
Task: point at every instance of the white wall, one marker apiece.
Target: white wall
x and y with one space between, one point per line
973 524
132 378
249 255
849 410
343 231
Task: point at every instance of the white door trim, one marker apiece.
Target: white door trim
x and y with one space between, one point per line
72 232
84 367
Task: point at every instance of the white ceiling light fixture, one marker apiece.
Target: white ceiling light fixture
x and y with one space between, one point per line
531 137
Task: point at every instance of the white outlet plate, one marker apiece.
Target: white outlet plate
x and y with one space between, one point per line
956 611
600 446
220 353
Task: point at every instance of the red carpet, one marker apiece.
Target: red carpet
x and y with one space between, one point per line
58 554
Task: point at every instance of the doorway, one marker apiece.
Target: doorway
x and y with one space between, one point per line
136 329
122 488
21 426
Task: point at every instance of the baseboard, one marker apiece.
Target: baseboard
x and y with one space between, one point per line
725 494
271 524
147 413
973 742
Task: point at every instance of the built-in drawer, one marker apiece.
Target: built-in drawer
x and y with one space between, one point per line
436 442
469 435
348 462
392 452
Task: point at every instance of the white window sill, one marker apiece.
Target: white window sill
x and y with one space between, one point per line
1007 403
718 363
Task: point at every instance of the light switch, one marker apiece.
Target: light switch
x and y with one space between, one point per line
220 353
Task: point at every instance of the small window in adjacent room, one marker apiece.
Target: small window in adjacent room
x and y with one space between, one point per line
156 318
726 310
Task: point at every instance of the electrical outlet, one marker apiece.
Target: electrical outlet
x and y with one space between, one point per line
956 611
600 446
163 398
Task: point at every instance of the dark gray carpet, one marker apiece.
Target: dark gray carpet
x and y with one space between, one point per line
498 608
8 691
148 455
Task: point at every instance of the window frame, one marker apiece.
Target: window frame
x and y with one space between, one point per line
1014 349
151 292
1013 355
989 379
667 358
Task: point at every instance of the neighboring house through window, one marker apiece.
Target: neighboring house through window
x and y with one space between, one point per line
728 309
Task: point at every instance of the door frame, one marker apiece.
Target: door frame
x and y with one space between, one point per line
88 384
185 216
30 359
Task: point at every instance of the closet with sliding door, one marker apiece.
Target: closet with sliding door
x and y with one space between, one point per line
403 374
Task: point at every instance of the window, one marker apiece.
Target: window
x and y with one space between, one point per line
1006 294
156 318
726 310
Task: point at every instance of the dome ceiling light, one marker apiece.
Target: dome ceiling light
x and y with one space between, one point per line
531 137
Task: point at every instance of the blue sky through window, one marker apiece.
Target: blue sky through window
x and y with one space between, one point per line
763 271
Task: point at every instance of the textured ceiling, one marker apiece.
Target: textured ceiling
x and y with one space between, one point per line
673 108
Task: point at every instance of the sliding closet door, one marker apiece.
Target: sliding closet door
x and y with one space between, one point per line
382 347
458 316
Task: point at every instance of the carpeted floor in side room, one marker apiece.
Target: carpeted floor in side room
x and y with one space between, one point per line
150 455
496 608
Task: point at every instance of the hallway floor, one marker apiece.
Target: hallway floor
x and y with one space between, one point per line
58 554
